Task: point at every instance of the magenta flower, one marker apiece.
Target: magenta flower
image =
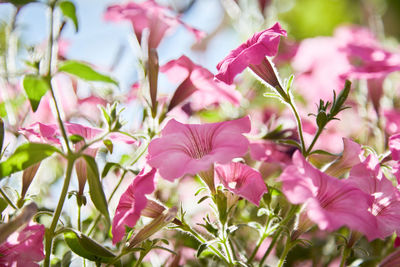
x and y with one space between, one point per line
394 146
199 83
330 202
252 54
131 203
242 180
368 177
24 248
191 148
149 15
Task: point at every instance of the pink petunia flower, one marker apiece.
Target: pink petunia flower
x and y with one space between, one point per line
368 177
23 248
242 180
392 118
329 202
252 54
131 204
149 15
198 83
192 148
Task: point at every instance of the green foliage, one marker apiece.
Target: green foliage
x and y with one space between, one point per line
84 71
87 248
95 187
24 156
309 18
69 10
35 87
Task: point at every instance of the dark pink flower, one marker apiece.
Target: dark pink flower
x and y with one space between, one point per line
149 15
199 83
191 148
41 133
368 177
131 203
394 146
252 54
242 180
330 202
24 248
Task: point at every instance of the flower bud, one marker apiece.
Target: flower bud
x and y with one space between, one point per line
157 224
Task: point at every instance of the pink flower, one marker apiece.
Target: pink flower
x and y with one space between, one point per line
368 177
149 15
268 151
24 248
199 83
392 118
131 204
394 146
252 54
41 133
191 148
330 202
242 180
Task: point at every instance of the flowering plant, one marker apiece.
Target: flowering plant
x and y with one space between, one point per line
186 166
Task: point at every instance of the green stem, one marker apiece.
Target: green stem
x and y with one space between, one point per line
299 126
314 141
139 261
288 246
345 255
93 226
50 232
8 199
203 240
79 219
292 212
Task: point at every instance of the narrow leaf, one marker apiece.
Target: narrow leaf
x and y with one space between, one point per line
24 156
95 187
35 87
69 10
84 71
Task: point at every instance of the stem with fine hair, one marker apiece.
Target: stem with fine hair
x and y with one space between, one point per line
7 199
299 125
320 129
50 232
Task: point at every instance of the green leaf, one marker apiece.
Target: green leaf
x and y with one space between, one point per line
69 10
75 138
84 71
87 247
201 248
35 87
24 156
108 167
109 145
95 187
3 205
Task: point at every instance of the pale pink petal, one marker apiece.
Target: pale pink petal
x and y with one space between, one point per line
242 180
191 148
330 202
131 204
252 52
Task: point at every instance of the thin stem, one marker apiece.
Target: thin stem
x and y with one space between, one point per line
314 141
345 255
288 246
299 126
203 240
50 232
139 261
227 248
277 234
9 201
93 226
79 219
